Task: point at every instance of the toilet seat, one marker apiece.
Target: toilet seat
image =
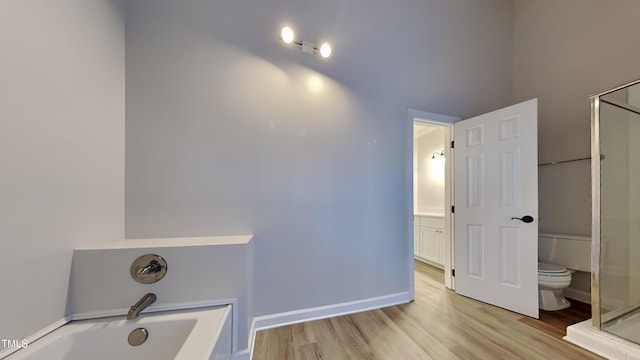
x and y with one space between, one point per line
550 270
554 280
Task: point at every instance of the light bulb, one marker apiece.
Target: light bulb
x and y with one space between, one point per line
287 35
325 50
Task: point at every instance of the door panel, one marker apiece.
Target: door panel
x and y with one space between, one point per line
496 180
475 251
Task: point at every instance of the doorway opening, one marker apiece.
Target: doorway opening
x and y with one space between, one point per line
429 163
431 194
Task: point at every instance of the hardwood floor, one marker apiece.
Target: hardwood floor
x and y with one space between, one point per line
439 324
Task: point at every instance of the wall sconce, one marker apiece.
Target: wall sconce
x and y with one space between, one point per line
309 48
441 153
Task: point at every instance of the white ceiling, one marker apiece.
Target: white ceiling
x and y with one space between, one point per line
422 129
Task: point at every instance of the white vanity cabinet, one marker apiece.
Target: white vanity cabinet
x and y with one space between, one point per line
428 237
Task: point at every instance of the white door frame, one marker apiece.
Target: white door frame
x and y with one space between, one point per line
441 120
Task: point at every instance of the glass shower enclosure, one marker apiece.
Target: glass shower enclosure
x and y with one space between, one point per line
615 166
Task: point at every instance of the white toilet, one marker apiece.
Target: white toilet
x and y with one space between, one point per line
552 280
558 257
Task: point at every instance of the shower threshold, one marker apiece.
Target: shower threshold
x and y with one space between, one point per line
602 343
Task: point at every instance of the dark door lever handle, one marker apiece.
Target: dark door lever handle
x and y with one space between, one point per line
526 219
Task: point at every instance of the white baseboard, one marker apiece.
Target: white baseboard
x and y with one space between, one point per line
323 312
579 295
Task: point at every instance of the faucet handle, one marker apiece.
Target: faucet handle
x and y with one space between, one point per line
152 268
148 269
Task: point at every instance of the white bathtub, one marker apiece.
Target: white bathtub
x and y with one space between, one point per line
197 334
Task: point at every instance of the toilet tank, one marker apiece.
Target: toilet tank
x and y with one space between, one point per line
570 251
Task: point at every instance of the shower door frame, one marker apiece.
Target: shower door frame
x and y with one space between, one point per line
596 318
595 211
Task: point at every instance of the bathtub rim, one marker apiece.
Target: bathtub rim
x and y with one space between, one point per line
123 312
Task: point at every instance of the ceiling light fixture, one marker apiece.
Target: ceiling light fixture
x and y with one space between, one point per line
325 50
286 35
307 47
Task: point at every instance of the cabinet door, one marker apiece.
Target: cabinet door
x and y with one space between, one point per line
429 246
416 241
440 241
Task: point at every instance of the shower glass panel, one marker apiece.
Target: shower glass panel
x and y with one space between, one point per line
617 243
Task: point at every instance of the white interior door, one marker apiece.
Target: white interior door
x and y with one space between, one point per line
496 181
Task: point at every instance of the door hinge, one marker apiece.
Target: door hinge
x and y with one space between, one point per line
453 272
452 144
453 209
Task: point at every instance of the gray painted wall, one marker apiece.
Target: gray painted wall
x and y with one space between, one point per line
563 52
61 149
230 132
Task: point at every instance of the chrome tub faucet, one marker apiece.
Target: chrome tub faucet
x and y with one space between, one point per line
142 304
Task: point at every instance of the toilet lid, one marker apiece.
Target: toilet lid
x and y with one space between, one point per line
550 268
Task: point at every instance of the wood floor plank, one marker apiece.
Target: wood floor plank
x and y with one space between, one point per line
352 339
384 337
329 345
275 343
309 351
439 324
430 344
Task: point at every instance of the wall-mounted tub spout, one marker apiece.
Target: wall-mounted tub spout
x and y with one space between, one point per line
142 304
